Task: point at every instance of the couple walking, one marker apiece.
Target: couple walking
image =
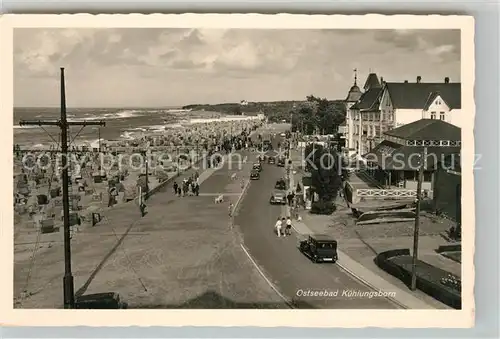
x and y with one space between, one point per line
283 223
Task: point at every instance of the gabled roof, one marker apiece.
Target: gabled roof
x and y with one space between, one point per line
372 82
368 98
416 95
427 129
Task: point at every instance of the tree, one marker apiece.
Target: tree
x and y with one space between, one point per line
237 110
326 168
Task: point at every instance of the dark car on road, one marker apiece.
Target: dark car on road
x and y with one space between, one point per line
281 162
278 198
257 167
271 160
280 185
320 248
254 175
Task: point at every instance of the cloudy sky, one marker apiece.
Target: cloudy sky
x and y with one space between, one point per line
172 67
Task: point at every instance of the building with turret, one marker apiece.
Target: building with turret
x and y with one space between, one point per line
382 106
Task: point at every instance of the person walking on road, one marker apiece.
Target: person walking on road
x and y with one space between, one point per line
175 187
288 228
278 226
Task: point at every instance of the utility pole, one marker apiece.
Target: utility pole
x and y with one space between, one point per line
423 165
64 124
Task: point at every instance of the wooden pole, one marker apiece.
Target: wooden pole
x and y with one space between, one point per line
416 229
63 124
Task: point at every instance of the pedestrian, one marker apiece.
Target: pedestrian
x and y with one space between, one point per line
278 226
288 229
175 187
112 196
289 197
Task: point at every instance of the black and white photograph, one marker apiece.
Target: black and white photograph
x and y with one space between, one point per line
231 167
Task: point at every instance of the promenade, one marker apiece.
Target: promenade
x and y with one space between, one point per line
182 254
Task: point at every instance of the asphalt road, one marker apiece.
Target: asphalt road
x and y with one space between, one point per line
293 274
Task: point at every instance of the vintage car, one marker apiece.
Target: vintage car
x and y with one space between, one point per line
281 162
257 167
319 248
271 160
278 198
280 185
254 175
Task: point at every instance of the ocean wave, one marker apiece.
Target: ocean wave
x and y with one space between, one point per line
24 127
114 115
127 135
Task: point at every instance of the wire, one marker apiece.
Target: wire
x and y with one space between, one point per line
76 136
49 134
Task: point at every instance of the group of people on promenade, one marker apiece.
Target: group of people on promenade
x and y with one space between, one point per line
188 186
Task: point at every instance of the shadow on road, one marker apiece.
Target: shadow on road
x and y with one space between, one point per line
213 300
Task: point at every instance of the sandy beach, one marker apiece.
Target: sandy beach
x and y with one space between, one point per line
118 170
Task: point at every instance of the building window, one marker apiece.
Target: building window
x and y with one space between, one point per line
433 115
441 116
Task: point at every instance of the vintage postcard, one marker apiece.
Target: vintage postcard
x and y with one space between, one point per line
238 170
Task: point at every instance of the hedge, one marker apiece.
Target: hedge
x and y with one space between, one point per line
399 264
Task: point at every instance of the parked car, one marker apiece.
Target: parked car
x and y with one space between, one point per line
257 167
254 175
271 160
278 198
281 162
280 185
319 248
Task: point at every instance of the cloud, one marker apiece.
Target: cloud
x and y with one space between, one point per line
443 44
245 64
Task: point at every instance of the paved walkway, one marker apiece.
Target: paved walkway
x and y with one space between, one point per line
182 254
362 273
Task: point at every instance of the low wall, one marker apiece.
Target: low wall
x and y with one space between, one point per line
399 264
449 248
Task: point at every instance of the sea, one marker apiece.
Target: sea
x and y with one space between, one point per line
121 123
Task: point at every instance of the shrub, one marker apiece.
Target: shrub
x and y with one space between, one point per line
323 207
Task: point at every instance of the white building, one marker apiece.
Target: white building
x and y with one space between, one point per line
387 105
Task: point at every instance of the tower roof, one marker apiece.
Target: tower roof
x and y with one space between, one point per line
372 82
354 94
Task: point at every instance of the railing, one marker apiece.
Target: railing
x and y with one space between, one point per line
387 193
358 194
